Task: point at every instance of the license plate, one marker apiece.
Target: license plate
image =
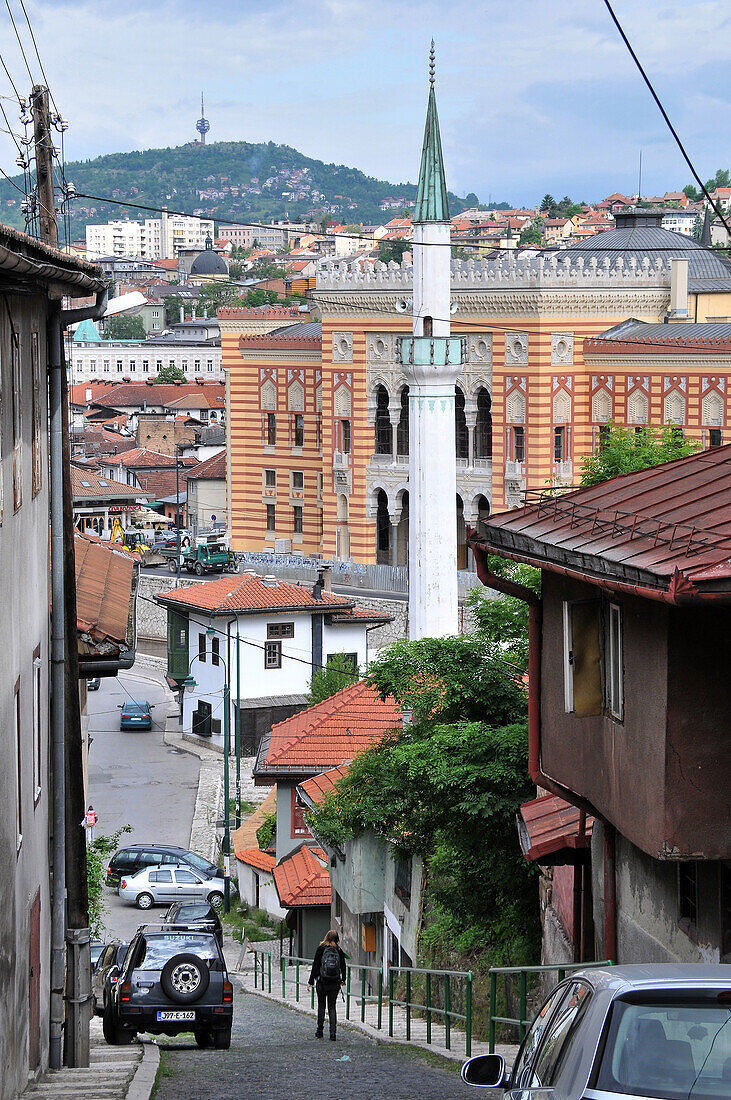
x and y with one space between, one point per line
168 1015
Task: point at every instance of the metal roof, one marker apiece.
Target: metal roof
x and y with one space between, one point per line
640 241
711 336
661 527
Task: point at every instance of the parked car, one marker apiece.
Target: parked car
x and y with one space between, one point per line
163 885
200 914
130 860
93 684
172 980
95 951
631 1031
105 974
136 715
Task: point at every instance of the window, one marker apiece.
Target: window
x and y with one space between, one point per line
92 366
318 431
524 1063
563 1029
106 366
518 442
187 877
196 365
145 366
37 725
338 907
271 435
270 479
483 426
461 435
615 691
559 444
402 431
17 406
215 651
271 517
272 655
688 894
209 366
299 825
202 648
383 435
298 479
345 437
280 630
119 366
344 660
298 430
36 397
18 769
593 658
161 876
158 365
133 364
297 519
402 884
715 437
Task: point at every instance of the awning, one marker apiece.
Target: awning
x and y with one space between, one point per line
550 831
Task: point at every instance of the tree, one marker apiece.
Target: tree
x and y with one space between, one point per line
393 250
125 328
338 673
236 270
98 854
531 234
170 374
624 451
548 203
501 619
692 192
459 253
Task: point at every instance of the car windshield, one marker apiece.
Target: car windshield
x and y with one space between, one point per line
194 912
159 949
135 708
675 1051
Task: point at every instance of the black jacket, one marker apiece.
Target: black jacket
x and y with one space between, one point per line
315 972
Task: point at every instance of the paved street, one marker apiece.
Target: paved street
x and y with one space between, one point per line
275 1056
135 779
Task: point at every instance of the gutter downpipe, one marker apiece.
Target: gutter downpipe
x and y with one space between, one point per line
535 641
57 321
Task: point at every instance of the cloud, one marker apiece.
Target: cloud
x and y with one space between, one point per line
532 95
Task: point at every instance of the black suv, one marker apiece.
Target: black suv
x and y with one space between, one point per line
135 857
173 979
200 913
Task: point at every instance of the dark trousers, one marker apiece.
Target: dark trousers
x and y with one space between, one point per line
329 995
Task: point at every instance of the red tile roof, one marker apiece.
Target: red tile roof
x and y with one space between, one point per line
138 394
244 837
252 595
212 468
87 483
548 824
328 734
104 579
302 880
314 790
254 857
142 456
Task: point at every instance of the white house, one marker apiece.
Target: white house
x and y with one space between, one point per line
265 637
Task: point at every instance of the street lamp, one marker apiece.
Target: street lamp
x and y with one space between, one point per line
189 683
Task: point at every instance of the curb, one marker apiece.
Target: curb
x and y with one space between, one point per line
143 1082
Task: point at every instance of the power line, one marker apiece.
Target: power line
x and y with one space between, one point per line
7 73
17 35
35 47
664 113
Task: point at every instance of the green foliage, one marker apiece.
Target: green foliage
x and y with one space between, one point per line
337 674
393 250
467 678
548 203
247 922
459 253
170 374
125 328
504 619
531 234
692 192
267 832
97 860
623 451
722 178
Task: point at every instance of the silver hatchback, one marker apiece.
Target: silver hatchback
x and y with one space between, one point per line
654 1032
164 885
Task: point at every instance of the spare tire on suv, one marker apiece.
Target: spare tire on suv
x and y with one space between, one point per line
184 978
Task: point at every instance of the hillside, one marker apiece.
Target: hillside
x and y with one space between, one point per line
224 180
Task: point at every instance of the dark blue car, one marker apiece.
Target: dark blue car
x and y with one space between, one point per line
136 715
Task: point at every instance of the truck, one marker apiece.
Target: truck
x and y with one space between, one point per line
207 554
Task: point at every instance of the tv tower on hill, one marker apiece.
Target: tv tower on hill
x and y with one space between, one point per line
202 125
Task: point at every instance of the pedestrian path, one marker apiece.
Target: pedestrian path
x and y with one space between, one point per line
127 1073
397 1025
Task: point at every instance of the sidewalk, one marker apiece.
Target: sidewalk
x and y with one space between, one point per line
127 1073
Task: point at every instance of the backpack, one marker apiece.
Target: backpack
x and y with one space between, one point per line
330 964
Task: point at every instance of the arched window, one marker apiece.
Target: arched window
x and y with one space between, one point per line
384 445
402 431
383 526
483 426
460 425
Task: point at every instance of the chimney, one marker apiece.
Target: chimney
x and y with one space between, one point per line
325 578
182 314
678 288
319 586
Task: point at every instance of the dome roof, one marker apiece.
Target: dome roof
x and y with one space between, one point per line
208 262
638 233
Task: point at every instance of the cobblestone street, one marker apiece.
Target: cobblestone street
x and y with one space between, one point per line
275 1056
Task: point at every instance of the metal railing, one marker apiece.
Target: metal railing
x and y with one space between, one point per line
521 1022
364 986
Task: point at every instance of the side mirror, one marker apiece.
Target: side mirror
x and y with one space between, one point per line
486 1071
152 706
119 706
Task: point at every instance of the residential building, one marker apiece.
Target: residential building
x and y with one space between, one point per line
207 503
722 198
98 500
254 866
154 474
242 236
198 358
681 221
152 239
269 637
629 646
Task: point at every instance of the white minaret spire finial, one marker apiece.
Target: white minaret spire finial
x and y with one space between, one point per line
432 63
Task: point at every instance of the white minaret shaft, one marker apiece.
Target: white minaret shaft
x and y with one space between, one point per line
431 360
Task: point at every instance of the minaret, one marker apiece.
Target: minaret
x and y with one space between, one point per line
431 360
202 125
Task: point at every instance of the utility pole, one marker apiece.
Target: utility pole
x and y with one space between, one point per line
70 847
44 164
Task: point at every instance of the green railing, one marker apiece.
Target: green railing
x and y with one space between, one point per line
522 1021
364 985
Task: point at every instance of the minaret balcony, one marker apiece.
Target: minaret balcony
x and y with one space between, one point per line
431 351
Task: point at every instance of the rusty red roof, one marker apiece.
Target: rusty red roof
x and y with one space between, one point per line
667 528
327 734
302 879
252 595
213 468
104 588
314 790
548 826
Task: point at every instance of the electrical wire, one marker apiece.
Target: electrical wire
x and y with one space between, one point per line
35 47
20 43
7 73
12 182
664 113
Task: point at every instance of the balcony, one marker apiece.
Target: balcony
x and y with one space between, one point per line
341 460
514 471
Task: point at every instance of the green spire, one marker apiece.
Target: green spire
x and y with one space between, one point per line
432 204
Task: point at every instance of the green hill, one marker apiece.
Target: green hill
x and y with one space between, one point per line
231 180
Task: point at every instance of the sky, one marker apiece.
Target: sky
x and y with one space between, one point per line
534 96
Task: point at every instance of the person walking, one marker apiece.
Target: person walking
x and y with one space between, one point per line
328 976
89 822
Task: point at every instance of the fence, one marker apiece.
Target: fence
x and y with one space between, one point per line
364 990
522 1020
348 574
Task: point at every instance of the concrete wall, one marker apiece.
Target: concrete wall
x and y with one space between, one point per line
409 917
359 878
268 899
